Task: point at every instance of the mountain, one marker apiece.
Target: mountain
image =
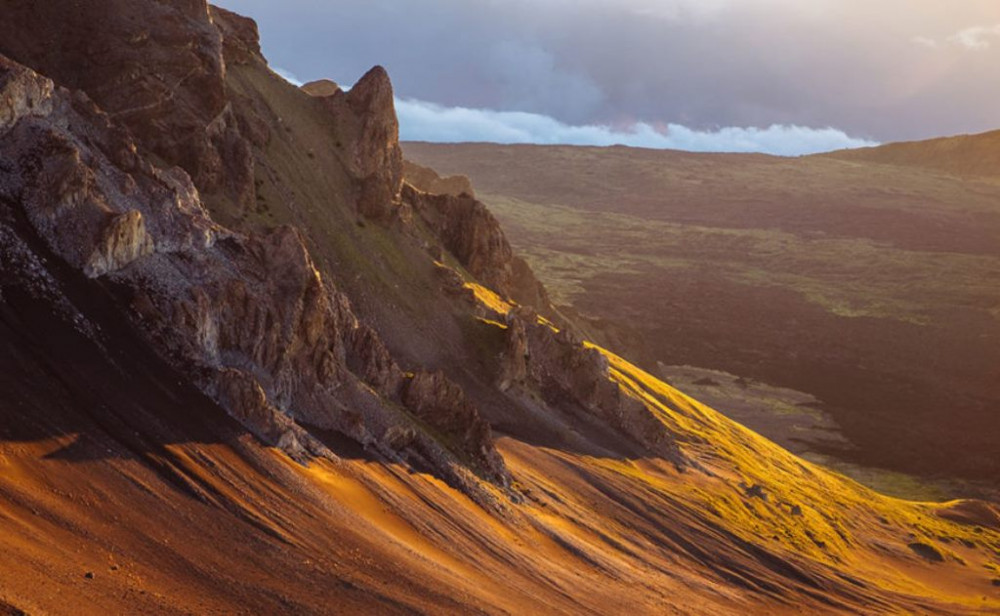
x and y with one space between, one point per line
248 369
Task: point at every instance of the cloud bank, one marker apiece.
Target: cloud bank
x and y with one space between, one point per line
702 64
978 37
423 121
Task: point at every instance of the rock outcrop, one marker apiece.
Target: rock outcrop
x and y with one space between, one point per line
123 241
527 290
248 318
156 67
377 157
366 116
429 181
321 88
576 378
435 399
467 230
240 36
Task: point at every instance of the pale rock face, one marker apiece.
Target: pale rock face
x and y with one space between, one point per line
24 93
123 241
156 67
84 187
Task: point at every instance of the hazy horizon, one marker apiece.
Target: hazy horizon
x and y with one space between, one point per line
773 76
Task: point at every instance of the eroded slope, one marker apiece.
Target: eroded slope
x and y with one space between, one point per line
149 327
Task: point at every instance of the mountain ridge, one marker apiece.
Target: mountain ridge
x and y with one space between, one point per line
425 445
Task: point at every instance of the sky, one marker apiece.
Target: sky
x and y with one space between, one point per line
779 76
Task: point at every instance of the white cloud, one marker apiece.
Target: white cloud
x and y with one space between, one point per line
693 11
979 37
926 41
976 38
422 121
288 76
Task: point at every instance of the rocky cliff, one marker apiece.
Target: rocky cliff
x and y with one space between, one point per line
466 228
366 115
246 312
155 68
247 316
557 366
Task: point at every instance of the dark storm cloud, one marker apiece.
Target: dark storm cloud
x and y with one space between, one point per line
886 70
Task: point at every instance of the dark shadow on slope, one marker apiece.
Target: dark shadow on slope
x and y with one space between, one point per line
342 445
115 393
10 610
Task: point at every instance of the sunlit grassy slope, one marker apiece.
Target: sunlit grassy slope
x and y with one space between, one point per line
806 518
874 287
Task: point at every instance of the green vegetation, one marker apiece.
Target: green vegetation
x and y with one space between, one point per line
847 277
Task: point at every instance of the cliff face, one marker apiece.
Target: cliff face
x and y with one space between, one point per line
246 312
155 68
247 316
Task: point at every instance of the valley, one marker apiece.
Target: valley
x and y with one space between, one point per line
873 287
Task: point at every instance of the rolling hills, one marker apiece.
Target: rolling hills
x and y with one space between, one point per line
871 286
